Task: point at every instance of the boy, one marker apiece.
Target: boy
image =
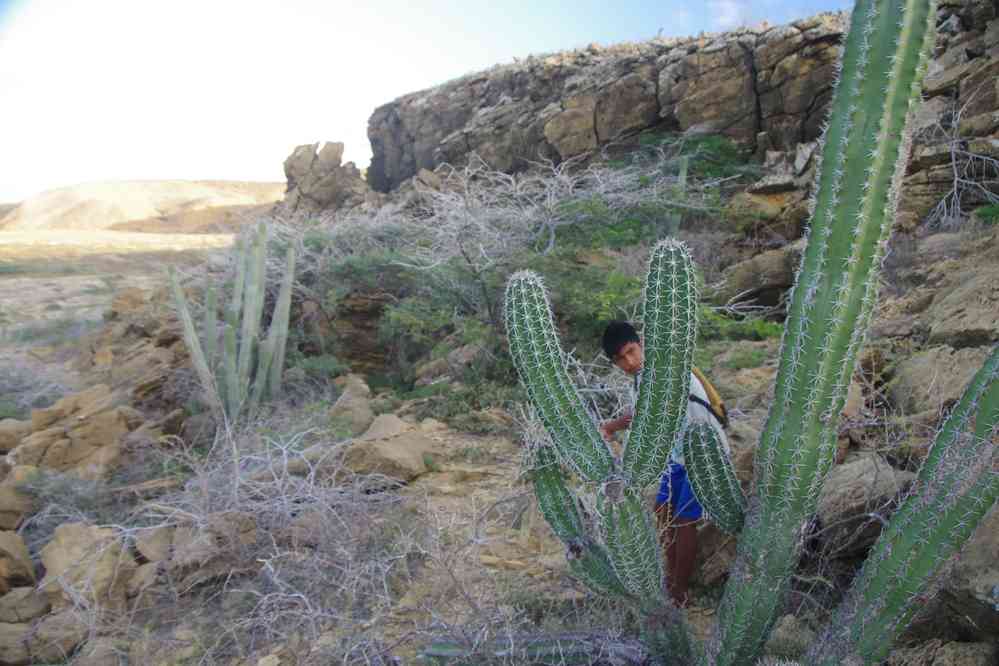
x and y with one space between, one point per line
677 510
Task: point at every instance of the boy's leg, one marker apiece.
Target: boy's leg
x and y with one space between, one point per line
679 542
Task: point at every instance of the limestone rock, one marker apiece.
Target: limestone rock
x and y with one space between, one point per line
83 560
101 651
56 636
938 653
15 504
22 604
762 278
713 87
390 447
968 314
934 377
12 432
852 490
789 638
222 535
14 643
572 130
352 409
972 588
155 544
16 568
318 181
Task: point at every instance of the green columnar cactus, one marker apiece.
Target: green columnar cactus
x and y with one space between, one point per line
866 144
628 562
713 478
956 486
230 388
864 153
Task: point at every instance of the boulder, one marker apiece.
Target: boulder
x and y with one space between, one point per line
15 504
14 643
12 432
934 378
23 604
939 653
972 588
852 490
391 447
86 561
967 315
761 279
790 638
16 568
352 410
56 637
318 181
101 651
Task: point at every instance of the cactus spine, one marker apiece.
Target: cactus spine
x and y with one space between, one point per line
230 387
866 144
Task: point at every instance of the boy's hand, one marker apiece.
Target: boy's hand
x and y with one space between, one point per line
606 432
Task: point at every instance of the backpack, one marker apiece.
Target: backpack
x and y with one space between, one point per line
715 403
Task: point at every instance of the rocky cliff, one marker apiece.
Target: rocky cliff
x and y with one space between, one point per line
766 87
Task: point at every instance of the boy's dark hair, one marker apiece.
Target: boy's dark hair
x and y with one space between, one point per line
616 335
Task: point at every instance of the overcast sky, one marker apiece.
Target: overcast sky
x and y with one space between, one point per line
224 89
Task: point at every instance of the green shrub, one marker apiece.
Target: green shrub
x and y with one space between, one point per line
988 214
716 326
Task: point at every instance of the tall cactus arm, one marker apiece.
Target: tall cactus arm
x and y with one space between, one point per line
211 331
713 478
556 502
865 147
282 313
538 358
670 328
631 542
252 307
955 489
589 562
230 371
204 372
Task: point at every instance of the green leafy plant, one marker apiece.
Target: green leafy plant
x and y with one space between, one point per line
865 148
246 369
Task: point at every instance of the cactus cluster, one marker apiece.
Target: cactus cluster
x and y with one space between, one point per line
865 147
246 369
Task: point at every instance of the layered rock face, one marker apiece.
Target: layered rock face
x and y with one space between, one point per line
766 87
756 85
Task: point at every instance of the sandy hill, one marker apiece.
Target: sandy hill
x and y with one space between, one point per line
162 206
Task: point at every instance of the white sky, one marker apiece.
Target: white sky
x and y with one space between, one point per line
199 89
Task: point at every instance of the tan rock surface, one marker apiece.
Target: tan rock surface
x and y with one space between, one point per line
87 561
22 604
16 568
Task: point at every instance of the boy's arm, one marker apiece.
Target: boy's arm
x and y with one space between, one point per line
608 428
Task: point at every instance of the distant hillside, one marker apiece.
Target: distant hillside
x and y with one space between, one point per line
156 206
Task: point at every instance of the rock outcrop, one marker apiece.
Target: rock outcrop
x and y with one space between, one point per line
317 180
758 84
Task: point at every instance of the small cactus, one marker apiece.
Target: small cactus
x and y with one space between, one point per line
249 369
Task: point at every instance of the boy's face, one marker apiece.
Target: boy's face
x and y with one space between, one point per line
629 357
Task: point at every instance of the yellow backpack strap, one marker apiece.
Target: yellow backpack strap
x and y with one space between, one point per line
717 405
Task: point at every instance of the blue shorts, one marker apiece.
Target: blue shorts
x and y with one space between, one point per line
676 490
